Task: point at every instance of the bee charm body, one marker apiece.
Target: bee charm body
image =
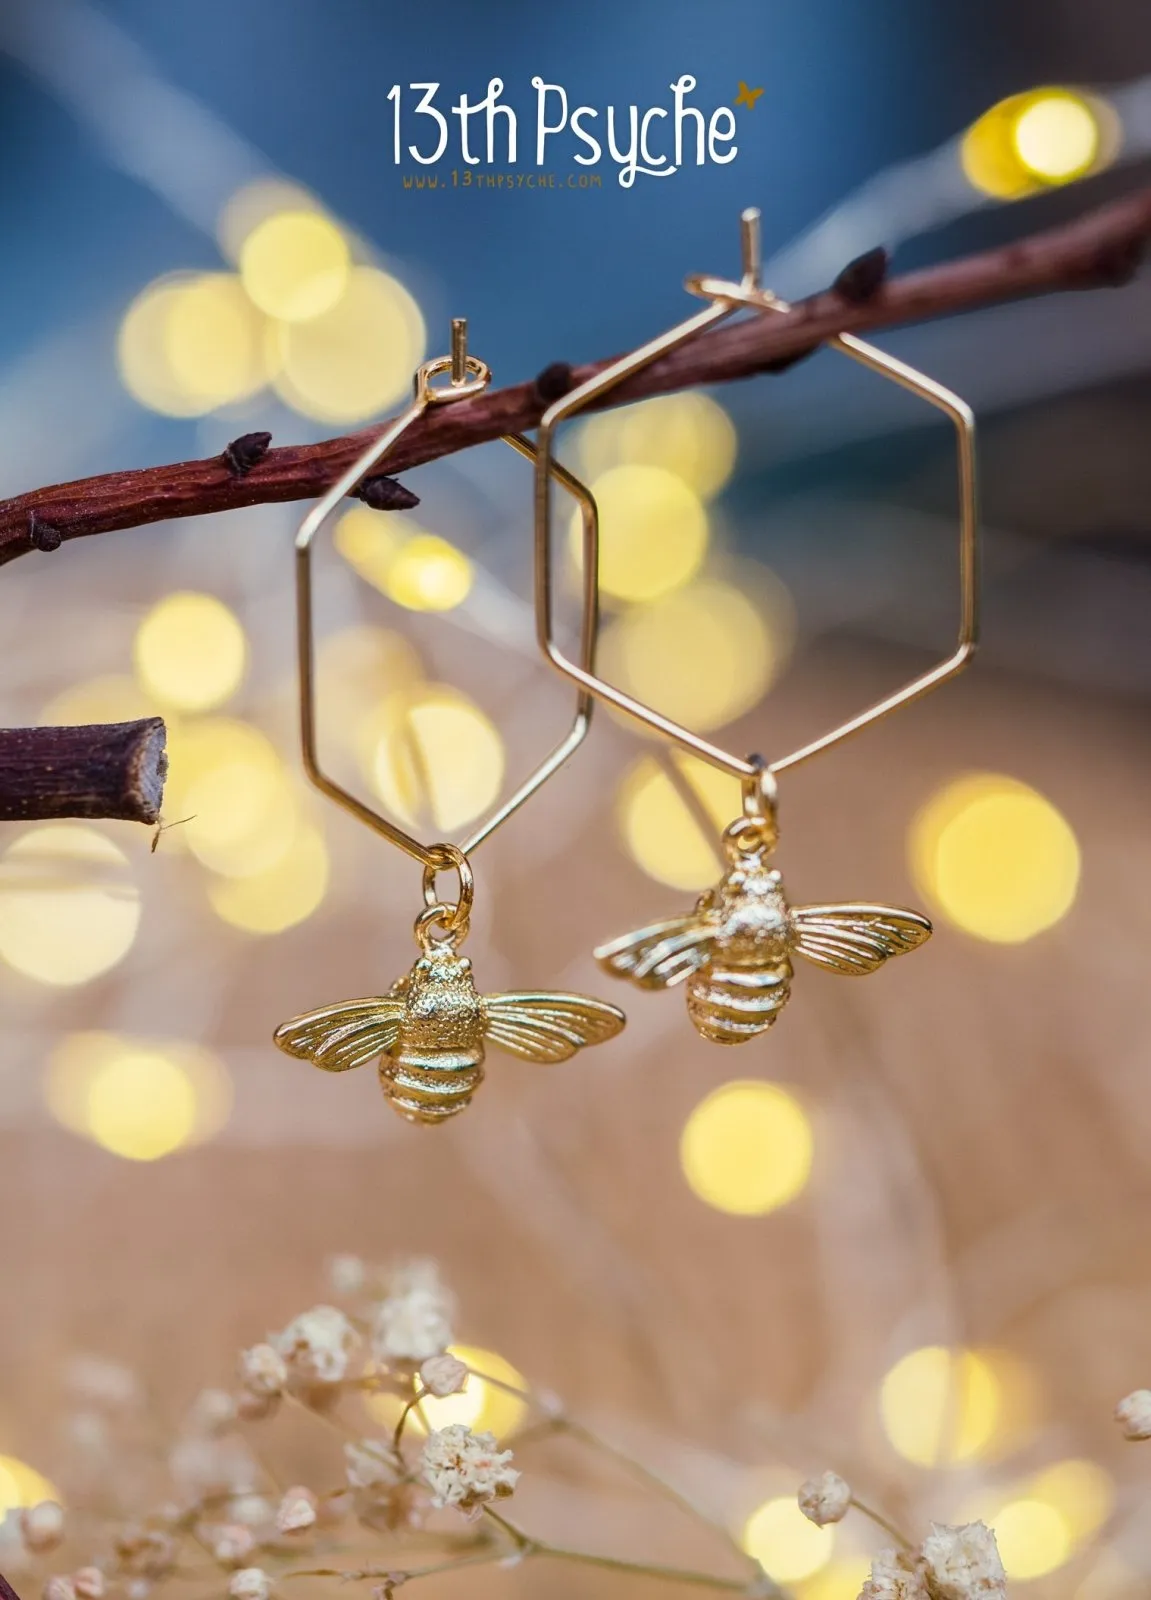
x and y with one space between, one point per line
734 951
431 1030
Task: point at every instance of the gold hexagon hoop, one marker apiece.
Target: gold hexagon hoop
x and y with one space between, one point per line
468 376
726 298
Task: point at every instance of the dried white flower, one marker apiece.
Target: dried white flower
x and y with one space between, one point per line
963 1562
465 1469
262 1369
145 1552
443 1375
895 1575
1133 1414
347 1275
213 1412
297 1510
824 1499
251 1510
88 1431
88 1582
103 1382
415 1320
138 1589
212 1466
317 1345
250 1583
231 1543
42 1526
59 1588
369 1464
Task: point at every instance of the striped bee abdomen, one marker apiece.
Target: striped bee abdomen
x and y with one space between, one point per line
430 1085
729 1003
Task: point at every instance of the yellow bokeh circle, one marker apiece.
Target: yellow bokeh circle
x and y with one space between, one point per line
69 910
785 1543
747 1148
703 655
190 343
653 531
190 651
138 1098
278 896
1041 138
295 265
21 1486
437 757
940 1405
429 574
1033 1538
690 435
995 857
671 813
349 362
481 1405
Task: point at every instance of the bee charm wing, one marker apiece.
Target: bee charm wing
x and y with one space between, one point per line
661 955
343 1036
548 1027
856 939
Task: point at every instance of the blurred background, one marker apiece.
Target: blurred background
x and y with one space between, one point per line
904 1235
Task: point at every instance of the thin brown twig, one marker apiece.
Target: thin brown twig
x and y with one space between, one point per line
1103 247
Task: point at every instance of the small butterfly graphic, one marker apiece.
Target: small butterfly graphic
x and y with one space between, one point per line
747 97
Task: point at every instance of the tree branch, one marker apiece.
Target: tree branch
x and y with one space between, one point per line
1101 248
118 771
113 769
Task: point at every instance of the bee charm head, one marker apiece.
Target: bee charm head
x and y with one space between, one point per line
733 953
431 1029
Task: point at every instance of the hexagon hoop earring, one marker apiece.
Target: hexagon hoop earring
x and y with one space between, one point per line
733 952
431 1028
468 376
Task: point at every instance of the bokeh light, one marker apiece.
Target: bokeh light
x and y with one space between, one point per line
278 896
190 343
704 655
238 807
111 697
351 361
138 1098
437 757
295 265
653 532
747 1148
358 669
785 1543
1033 1538
1082 1492
671 813
995 858
1043 137
190 651
69 910
689 434
21 1485
429 574
254 203
369 542
841 1579
482 1406
940 1405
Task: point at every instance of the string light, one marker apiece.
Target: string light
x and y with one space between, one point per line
438 755
653 532
1039 139
279 896
295 265
21 1486
747 1148
690 435
190 651
191 342
1033 1538
785 1543
68 908
662 829
940 1405
351 361
995 858
254 203
429 574
481 1406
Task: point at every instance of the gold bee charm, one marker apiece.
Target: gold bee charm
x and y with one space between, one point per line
431 1028
734 950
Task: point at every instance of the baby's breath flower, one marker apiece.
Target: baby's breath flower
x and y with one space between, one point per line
103 1382
824 1499
368 1464
250 1583
231 1543
256 1407
42 1526
213 1412
297 1510
251 1509
895 1575
88 1582
963 1562
59 1587
1133 1414
465 1469
145 1552
443 1375
212 1466
347 1275
414 1321
263 1370
317 1345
